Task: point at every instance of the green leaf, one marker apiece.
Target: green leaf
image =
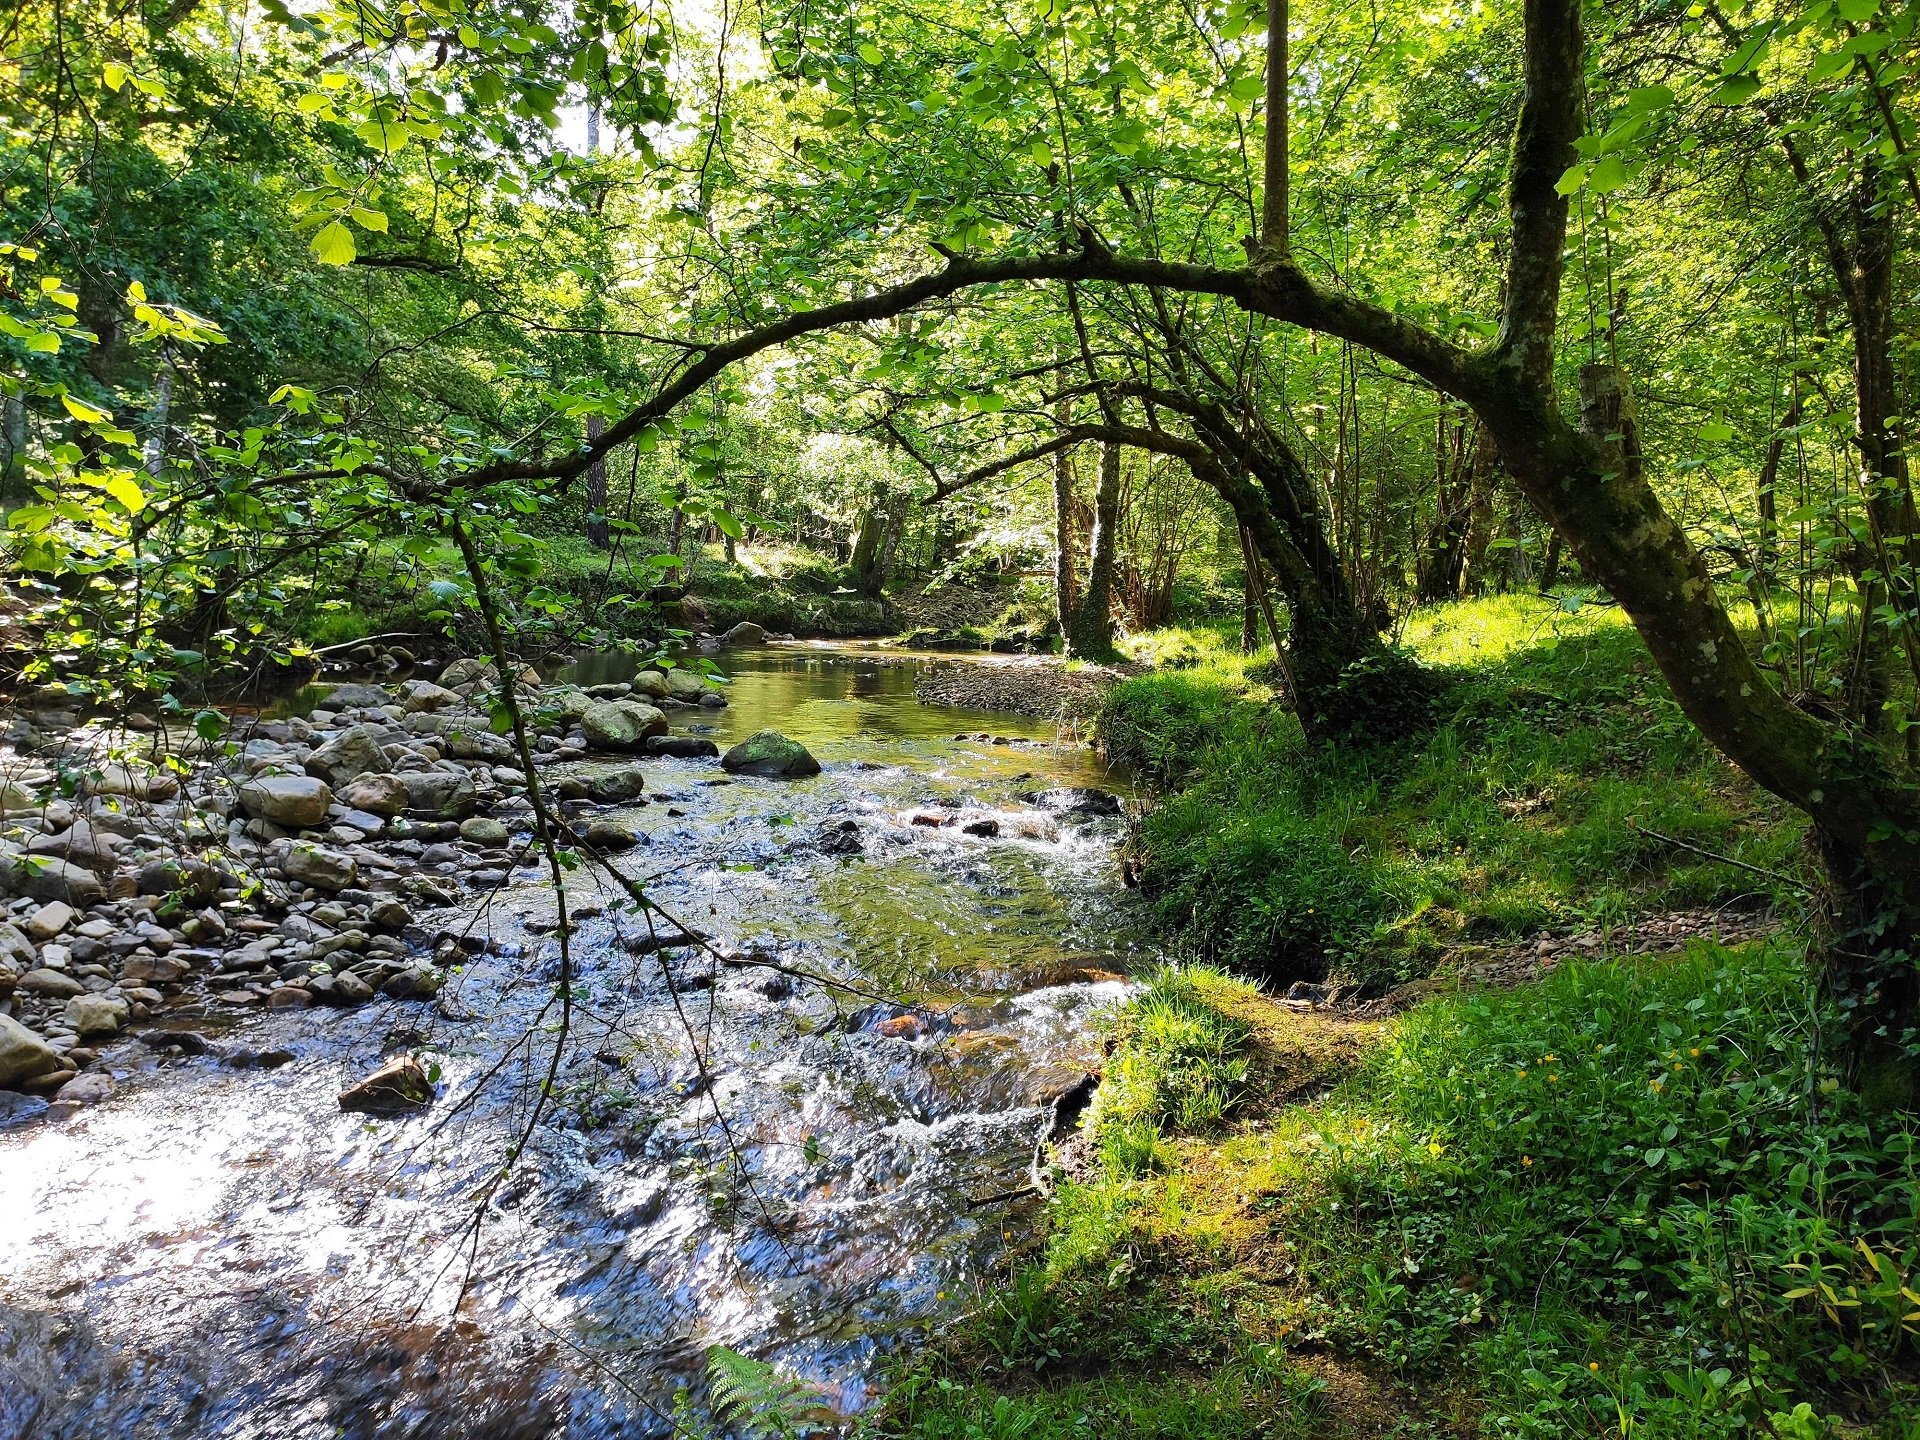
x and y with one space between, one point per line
81 411
123 489
369 219
113 76
1716 432
1608 175
869 52
334 245
1737 90
386 136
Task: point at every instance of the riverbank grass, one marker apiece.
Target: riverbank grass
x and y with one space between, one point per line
1632 1199
1548 796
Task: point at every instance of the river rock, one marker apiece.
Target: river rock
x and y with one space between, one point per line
650 683
295 801
46 878
18 799
16 946
682 747
319 866
687 686
609 835
621 724
50 983
376 794
482 830
613 786
85 1089
354 697
771 754
83 844
121 779
745 633
346 755
418 695
49 920
839 837
399 1086
141 969
96 1014
194 879
440 794
23 1054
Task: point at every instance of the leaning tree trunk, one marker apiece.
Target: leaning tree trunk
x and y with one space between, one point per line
1063 581
1089 627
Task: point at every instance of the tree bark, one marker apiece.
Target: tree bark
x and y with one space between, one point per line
1089 631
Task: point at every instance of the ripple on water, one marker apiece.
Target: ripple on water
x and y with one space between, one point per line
733 1156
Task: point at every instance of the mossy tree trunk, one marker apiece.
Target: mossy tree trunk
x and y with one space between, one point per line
1089 627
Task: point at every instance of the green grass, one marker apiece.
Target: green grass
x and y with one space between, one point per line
1605 1204
1523 809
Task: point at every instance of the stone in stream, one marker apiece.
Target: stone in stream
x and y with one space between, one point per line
482 830
49 920
396 1088
295 801
319 866
682 747
121 779
50 983
839 837
650 683
355 697
608 835
96 1014
621 724
745 633
350 753
686 686
419 695
610 787
769 753
376 794
441 794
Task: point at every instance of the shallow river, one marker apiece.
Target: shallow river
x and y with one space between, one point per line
808 1172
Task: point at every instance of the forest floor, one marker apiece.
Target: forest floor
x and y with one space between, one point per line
1550 1139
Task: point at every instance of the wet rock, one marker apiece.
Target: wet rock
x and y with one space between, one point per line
745 633
416 982
347 755
396 1088
1075 800
49 878
390 915
610 835
686 686
85 1089
344 988
154 970
319 866
769 753
650 683
88 1015
682 747
621 724
613 786
902 1027
18 1109
839 837
24 1055
987 828
295 801
440 794
50 983
384 795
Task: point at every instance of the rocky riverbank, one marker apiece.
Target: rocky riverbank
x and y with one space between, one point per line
153 877
1043 686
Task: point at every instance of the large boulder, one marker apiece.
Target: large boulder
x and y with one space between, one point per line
45 878
440 794
650 683
84 845
320 866
568 702
611 787
350 753
23 1054
772 754
686 685
745 633
376 794
462 673
295 801
621 724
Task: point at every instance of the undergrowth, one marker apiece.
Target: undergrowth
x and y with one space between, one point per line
1537 802
1633 1200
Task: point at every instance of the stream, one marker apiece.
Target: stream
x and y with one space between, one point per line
811 1171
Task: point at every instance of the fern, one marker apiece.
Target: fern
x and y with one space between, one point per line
754 1398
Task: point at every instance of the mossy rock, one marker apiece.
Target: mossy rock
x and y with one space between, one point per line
771 754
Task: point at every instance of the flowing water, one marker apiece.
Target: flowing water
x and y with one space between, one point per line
736 1154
